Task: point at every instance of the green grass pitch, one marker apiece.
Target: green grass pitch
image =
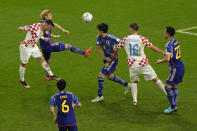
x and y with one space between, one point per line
28 109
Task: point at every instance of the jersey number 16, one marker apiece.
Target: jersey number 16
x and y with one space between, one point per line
133 50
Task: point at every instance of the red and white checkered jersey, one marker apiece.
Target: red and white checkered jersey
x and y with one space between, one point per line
33 35
134 46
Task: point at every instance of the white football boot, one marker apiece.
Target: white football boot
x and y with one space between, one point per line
97 99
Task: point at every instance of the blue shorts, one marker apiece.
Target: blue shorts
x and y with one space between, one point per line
54 47
109 68
175 76
68 128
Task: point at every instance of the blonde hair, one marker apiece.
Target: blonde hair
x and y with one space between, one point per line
44 13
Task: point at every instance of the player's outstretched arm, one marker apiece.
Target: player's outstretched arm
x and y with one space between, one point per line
62 29
78 105
52 110
165 59
21 28
156 49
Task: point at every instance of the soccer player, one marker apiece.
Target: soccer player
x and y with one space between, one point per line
107 42
48 46
29 48
173 56
138 63
64 103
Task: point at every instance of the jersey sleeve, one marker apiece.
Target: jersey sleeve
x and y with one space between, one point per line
75 99
52 101
116 40
168 49
122 43
32 28
146 42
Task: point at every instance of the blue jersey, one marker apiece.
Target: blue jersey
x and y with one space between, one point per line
107 44
173 48
47 34
63 101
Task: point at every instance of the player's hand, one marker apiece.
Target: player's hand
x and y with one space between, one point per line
108 59
20 28
55 120
46 39
57 36
159 61
66 32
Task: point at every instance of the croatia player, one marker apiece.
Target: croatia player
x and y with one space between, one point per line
64 102
173 56
29 48
107 42
48 46
138 63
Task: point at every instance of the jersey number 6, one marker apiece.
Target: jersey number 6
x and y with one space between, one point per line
65 108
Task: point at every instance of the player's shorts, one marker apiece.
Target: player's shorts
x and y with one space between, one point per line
26 52
175 76
147 71
109 68
68 128
55 47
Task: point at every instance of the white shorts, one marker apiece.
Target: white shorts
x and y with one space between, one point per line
147 71
26 52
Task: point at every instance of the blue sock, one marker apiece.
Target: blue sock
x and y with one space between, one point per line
175 90
119 80
76 50
170 94
100 86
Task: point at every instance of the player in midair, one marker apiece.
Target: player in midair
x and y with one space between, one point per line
107 42
64 102
138 63
173 56
48 46
29 48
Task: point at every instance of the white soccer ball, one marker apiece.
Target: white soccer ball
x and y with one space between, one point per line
87 17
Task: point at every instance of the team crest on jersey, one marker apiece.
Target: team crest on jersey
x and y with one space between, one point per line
107 42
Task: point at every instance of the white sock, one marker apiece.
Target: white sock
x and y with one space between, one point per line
134 91
161 86
22 73
47 68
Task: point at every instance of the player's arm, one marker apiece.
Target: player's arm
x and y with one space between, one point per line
62 29
156 49
120 45
76 101
165 59
55 36
21 28
52 110
102 54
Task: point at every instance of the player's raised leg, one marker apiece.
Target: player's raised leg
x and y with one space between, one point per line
160 84
77 50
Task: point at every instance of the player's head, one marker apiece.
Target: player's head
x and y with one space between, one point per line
46 14
169 32
61 84
133 28
102 29
47 25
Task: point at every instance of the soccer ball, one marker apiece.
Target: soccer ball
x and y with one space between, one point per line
87 17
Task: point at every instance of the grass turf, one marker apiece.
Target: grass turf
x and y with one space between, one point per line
28 109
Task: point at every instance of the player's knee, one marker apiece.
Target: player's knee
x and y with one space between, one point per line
156 79
23 65
101 75
168 86
110 76
41 59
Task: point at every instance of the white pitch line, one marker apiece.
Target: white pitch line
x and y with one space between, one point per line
189 33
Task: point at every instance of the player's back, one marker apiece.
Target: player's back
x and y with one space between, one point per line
134 46
64 104
173 48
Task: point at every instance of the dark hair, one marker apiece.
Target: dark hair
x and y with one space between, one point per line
134 26
102 27
170 30
61 84
49 22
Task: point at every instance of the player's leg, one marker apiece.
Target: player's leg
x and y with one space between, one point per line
72 128
170 94
25 54
101 77
117 79
63 128
77 50
160 84
47 57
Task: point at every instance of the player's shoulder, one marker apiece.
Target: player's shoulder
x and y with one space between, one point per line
112 36
42 21
55 95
